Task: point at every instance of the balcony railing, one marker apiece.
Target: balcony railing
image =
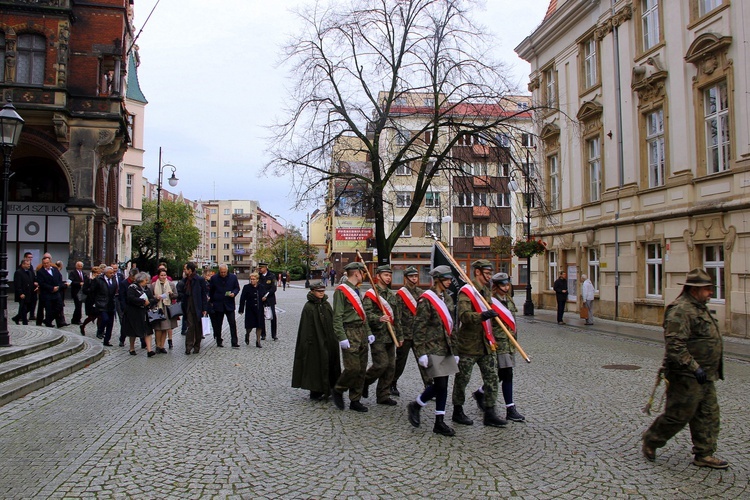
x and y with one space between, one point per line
242 240
60 4
242 229
242 216
481 241
480 212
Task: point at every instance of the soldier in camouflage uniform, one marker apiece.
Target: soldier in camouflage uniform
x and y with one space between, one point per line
505 350
693 361
473 347
410 293
383 350
351 329
432 336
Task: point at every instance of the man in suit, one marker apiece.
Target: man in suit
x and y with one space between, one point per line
50 283
267 285
24 290
194 300
222 289
105 291
77 279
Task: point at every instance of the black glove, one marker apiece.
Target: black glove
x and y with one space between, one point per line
700 376
488 315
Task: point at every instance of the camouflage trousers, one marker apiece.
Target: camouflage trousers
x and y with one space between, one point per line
382 369
488 367
688 403
352 378
402 356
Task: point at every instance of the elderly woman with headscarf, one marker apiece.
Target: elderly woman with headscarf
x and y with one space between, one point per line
164 292
135 318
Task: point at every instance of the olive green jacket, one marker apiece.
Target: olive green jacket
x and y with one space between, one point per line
407 318
470 339
377 327
429 333
344 313
504 344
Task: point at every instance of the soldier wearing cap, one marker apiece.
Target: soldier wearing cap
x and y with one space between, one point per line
505 349
382 350
406 300
473 347
693 361
433 338
353 333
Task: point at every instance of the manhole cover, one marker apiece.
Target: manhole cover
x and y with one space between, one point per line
621 367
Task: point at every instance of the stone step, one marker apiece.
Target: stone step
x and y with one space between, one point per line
51 356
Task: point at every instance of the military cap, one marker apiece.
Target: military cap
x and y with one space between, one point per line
354 265
383 269
481 264
410 270
441 272
317 286
697 277
500 279
262 264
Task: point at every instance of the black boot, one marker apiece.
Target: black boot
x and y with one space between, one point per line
441 427
512 414
338 397
169 341
357 406
394 390
366 390
479 397
491 419
414 409
460 417
247 339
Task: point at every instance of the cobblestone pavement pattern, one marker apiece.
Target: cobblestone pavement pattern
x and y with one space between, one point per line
226 424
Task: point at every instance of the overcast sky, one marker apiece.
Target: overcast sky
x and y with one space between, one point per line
210 72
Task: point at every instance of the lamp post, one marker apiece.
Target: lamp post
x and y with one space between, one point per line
307 272
11 125
528 306
172 182
286 237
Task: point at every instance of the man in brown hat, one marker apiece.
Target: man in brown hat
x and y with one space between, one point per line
692 363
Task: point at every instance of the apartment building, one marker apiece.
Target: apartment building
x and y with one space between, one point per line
233 233
645 152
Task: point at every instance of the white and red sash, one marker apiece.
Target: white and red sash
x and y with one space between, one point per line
441 309
385 306
353 299
480 307
504 313
409 300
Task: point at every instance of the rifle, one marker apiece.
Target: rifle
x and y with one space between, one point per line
380 306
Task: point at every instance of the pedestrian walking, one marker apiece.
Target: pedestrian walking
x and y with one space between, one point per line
382 310
76 278
105 291
89 307
317 364
353 333
693 362
138 300
267 284
504 306
50 284
406 303
433 338
222 289
194 300
587 296
252 306
284 278
473 344
164 292
561 295
24 289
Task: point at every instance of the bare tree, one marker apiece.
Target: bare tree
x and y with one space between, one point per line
407 79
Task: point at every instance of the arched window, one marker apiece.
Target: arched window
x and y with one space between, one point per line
31 56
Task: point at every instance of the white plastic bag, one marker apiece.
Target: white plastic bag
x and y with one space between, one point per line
267 312
206 325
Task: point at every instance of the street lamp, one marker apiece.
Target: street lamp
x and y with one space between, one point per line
286 236
528 306
11 124
307 273
172 182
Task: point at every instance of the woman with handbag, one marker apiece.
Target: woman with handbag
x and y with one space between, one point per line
252 305
135 317
164 292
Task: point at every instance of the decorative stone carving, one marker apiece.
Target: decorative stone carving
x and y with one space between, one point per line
618 19
60 122
708 52
590 235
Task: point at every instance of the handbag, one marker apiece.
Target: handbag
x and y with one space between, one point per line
267 312
206 325
584 311
155 316
174 310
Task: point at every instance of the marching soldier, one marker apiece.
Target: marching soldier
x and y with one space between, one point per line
504 306
406 300
474 345
433 334
353 332
381 309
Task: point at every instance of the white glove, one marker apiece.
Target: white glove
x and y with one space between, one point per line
345 344
424 360
371 338
456 359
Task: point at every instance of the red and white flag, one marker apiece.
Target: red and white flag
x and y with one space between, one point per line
504 313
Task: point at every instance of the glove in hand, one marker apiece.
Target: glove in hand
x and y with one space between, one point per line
700 376
457 358
345 344
488 315
424 360
371 338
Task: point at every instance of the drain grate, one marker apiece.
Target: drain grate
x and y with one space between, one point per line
621 367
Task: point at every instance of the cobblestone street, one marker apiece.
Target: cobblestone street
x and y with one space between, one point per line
227 424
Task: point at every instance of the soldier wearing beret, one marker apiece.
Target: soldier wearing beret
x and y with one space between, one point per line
353 333
382 350
474 346
693 361
406 300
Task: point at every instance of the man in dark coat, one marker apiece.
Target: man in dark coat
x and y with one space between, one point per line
50 283
105 288
317 364
561 294
77 278
194 300
222 289
23 281
267 285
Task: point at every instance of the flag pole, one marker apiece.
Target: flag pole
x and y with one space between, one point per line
499 321
387 324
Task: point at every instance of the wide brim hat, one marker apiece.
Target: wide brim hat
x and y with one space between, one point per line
698 277
441 272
